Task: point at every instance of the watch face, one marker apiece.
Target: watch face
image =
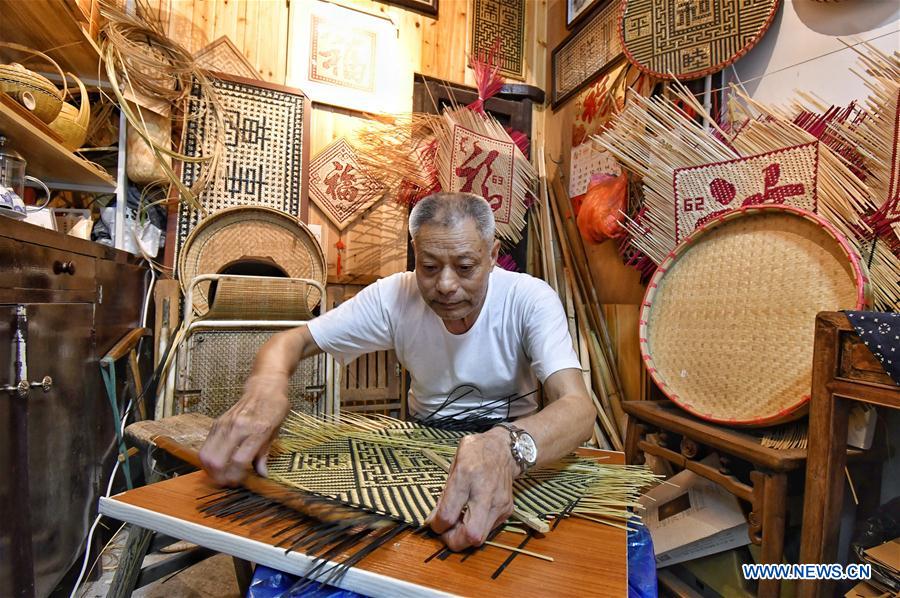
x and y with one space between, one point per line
527 448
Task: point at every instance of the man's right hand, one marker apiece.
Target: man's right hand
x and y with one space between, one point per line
242 435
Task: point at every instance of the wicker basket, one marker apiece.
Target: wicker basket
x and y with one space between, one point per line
72 123
727 324
31 90
245 236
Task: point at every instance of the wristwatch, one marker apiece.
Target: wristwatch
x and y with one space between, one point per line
522 446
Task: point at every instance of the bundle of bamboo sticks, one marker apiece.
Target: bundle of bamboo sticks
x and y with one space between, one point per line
562 262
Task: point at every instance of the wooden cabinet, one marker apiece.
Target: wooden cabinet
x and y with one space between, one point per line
78 298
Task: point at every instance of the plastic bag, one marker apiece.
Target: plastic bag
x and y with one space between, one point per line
598 218
641 564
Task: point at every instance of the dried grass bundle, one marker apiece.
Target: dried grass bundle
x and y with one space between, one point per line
653 138
144 66
399 151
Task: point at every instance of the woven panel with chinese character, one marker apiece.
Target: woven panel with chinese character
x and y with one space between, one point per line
341 187
484 166
503 19
262 164
788 176
687 39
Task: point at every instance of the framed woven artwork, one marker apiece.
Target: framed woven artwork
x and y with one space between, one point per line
348 58
222 56
788 176
266 155
689 39
576 10
503 20
427 7
341 186
588 51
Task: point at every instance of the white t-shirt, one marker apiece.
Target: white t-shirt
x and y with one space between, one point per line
521 336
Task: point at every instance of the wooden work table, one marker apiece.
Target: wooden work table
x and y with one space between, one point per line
589 558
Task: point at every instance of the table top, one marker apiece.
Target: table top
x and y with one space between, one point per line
589 558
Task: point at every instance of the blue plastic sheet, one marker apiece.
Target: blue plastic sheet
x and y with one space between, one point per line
641 564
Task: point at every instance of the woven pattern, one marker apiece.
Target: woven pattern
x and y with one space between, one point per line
263 158
728 321
218 362
788 176
484 166
223 56
692 38
400 482
503 19
263 298
258 235
585 53
340 185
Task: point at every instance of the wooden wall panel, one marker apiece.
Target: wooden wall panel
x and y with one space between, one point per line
435 47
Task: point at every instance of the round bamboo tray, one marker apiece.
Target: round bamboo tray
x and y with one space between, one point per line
727 324
234 239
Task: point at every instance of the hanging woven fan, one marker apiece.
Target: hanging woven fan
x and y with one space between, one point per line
728 320
254 241
687 39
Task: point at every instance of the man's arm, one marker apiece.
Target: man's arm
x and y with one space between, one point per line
242 434
481 477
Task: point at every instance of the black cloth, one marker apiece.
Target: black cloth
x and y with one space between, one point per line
881 333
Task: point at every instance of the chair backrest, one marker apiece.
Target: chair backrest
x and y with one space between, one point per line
217 353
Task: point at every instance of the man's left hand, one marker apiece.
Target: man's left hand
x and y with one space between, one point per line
478 496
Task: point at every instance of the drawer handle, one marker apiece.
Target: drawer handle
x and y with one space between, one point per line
64 268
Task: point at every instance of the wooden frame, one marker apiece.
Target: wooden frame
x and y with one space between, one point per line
574 15
580 41
348 58
426 7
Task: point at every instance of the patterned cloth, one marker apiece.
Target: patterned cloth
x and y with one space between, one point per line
881 333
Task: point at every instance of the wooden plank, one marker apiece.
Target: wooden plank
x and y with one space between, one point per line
47 159
398 568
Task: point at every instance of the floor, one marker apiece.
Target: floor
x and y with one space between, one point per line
212 578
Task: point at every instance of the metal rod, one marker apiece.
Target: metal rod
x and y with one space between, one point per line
22 558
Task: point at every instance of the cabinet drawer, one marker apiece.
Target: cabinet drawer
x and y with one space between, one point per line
30 266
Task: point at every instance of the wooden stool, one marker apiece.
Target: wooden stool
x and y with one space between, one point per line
190 429
767 491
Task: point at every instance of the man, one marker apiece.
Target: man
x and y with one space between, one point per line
472 336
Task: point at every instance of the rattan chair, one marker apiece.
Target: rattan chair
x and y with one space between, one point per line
214 359
216 355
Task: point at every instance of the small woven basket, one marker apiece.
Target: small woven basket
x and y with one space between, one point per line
727 324
249 235
33 91
72 123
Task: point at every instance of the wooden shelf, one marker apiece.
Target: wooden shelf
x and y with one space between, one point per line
49 26
48 160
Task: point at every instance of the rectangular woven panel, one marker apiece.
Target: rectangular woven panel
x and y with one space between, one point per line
503 19
788 176
266 150
585 53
